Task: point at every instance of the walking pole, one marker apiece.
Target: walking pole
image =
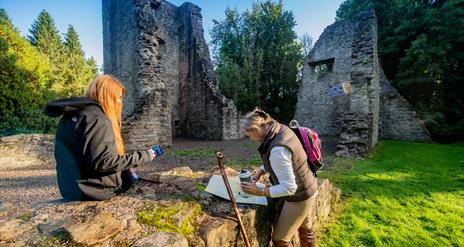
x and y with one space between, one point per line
220 156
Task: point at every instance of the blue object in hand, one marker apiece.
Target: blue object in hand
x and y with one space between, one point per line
158 150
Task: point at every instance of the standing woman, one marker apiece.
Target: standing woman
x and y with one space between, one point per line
284 158
91 162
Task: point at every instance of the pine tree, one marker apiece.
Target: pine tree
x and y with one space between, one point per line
45 36
93 65
72 43
77 71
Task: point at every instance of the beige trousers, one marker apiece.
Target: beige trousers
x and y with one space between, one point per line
293 216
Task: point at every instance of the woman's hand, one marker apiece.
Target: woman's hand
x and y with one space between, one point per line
256 175
252 189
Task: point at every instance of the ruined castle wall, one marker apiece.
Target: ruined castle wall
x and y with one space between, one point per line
119 39
321 106
361 122
399 120
165 64
206 113
199 113
147 101
371 108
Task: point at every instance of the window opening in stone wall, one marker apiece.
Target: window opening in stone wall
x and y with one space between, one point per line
322 67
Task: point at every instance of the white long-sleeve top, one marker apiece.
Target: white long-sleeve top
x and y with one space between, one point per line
281 163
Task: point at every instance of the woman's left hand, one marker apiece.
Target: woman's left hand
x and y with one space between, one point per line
251 189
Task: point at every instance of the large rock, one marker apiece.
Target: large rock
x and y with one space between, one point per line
218 232
328 196
162 239
52 227
5 209
26 150
182 178
97 230
12 228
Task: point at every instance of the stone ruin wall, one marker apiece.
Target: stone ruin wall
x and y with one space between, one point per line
361 122
398 120
311 101
372 109
158 52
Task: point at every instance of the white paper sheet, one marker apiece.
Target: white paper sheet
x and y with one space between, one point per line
216 187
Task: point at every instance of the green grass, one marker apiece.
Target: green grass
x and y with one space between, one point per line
60 239
406 194
244 163
26 216
201 186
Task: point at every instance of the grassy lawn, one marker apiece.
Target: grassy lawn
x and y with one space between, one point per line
406 194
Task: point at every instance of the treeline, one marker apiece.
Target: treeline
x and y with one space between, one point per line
36 69
421 47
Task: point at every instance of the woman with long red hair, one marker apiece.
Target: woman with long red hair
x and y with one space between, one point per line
91 162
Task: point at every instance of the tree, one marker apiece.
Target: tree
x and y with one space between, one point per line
77 72
421 49
257 58
71 42
45 36
24 82
307 43
71 72
36 70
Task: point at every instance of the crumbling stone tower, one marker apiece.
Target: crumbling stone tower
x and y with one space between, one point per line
345 93
158 52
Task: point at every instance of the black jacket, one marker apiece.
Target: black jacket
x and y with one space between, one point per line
87 164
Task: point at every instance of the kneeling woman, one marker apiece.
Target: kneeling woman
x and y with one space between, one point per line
91 163
284 158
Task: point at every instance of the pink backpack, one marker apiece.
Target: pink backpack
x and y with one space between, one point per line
311 144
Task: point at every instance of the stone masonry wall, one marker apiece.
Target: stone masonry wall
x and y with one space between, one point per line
317 106
158 52
398 120
361 122
207 114
370 108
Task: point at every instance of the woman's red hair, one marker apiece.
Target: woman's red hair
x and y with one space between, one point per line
107 91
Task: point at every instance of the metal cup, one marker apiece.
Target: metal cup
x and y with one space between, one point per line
245 176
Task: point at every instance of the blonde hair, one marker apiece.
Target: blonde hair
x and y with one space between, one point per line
256 119
106 90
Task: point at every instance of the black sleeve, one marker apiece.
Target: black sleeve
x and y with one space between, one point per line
99 146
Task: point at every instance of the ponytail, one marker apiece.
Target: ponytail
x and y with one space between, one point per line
256 118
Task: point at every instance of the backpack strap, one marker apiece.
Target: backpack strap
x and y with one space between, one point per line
307 144
316 144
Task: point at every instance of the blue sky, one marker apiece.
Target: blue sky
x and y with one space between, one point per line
311 16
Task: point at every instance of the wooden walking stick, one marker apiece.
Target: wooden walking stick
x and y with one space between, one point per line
220 156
